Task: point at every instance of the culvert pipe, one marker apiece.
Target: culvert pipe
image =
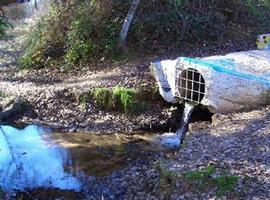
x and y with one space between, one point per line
230 83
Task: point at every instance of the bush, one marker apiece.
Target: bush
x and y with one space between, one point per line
173 23
73 35
88 30
47 40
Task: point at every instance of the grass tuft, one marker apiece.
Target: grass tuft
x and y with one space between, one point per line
103 98
199 180
200 174
119 99
225 184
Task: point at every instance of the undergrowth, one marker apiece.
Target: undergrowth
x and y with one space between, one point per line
224 183
116 99
87 31
203 179
4 24
3 95
46 42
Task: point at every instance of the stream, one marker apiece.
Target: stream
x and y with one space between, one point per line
36 162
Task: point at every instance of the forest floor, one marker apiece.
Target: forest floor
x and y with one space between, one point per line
237 145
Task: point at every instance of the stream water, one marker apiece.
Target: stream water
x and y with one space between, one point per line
174 140
28 161
35 159
45 162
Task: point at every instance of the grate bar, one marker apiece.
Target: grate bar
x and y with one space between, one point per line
191 85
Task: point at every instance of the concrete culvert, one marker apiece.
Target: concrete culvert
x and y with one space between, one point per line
234 82
230 83
190 86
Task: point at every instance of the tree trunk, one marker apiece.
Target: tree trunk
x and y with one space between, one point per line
126 25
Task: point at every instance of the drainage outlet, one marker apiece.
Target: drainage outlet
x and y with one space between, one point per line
191 85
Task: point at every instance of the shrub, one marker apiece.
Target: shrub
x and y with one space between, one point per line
73 35
46 42
88 30
79 45
93 33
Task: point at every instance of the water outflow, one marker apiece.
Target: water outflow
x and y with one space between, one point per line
27 161
181 132
174 140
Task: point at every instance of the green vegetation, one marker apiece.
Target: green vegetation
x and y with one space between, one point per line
103 98
116 99
88 31
205 177
198 180
4 24
72 36
46 41
125 98
225 184
200 175
84 41
3 95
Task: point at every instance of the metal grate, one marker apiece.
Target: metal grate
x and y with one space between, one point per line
191 85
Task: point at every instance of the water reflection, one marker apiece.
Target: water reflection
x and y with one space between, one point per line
57 165
27 161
